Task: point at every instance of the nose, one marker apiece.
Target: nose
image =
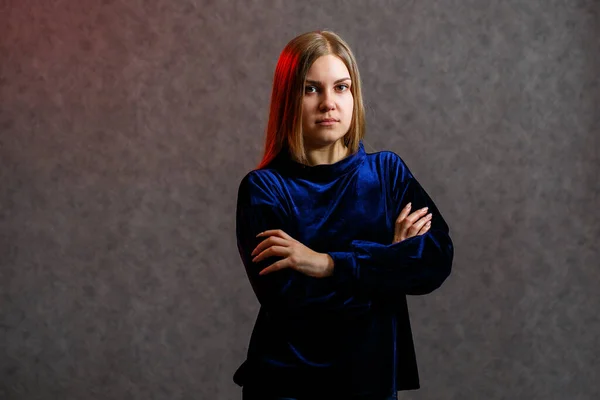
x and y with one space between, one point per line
327 102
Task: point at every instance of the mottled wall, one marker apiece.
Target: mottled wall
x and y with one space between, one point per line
126 126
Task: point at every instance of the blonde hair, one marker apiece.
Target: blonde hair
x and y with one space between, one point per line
284 129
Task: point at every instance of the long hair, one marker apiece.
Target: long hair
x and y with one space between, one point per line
284 129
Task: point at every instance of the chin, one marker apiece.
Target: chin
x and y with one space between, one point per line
324 138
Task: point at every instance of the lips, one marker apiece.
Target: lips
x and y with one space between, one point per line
327 120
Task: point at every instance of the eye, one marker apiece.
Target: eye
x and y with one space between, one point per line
342 87
310 89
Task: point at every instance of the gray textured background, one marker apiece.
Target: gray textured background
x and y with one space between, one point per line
126 126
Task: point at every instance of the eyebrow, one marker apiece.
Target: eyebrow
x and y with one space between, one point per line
319 83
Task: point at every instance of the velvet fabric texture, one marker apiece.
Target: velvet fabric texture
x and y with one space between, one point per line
348 334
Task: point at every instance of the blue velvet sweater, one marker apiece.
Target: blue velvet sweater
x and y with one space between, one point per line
347 335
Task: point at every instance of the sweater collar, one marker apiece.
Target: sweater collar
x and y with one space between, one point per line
323 171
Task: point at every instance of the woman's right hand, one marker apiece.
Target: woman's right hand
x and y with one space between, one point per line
407 226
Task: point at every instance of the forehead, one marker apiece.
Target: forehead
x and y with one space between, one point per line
328 67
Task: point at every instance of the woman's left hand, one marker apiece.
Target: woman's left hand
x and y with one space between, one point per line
297 255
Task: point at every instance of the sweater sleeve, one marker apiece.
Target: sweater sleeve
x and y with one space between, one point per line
414 266
287 290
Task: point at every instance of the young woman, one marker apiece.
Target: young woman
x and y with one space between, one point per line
332 240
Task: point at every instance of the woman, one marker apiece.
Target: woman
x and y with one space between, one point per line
332 239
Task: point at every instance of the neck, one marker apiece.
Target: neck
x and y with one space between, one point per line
329 154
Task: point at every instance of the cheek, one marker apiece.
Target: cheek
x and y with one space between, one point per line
348 107
305 111
308 105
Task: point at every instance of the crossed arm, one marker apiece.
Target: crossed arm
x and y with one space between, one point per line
289 277
320 265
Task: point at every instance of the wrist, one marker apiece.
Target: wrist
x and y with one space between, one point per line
329 264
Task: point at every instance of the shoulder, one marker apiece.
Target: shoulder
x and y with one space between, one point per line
260 186
261 179
385 155
391 163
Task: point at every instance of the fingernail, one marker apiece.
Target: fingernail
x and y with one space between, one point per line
425 209
409 205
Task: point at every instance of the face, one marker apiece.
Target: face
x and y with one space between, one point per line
327 103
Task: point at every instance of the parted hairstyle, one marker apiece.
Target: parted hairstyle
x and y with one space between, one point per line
284 129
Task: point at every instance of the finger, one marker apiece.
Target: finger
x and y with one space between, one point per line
417 214
409 221
421 222
398 238
401 229
404 212
425 228
272 251
268 242
281 264
397 226
416 227
277 232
